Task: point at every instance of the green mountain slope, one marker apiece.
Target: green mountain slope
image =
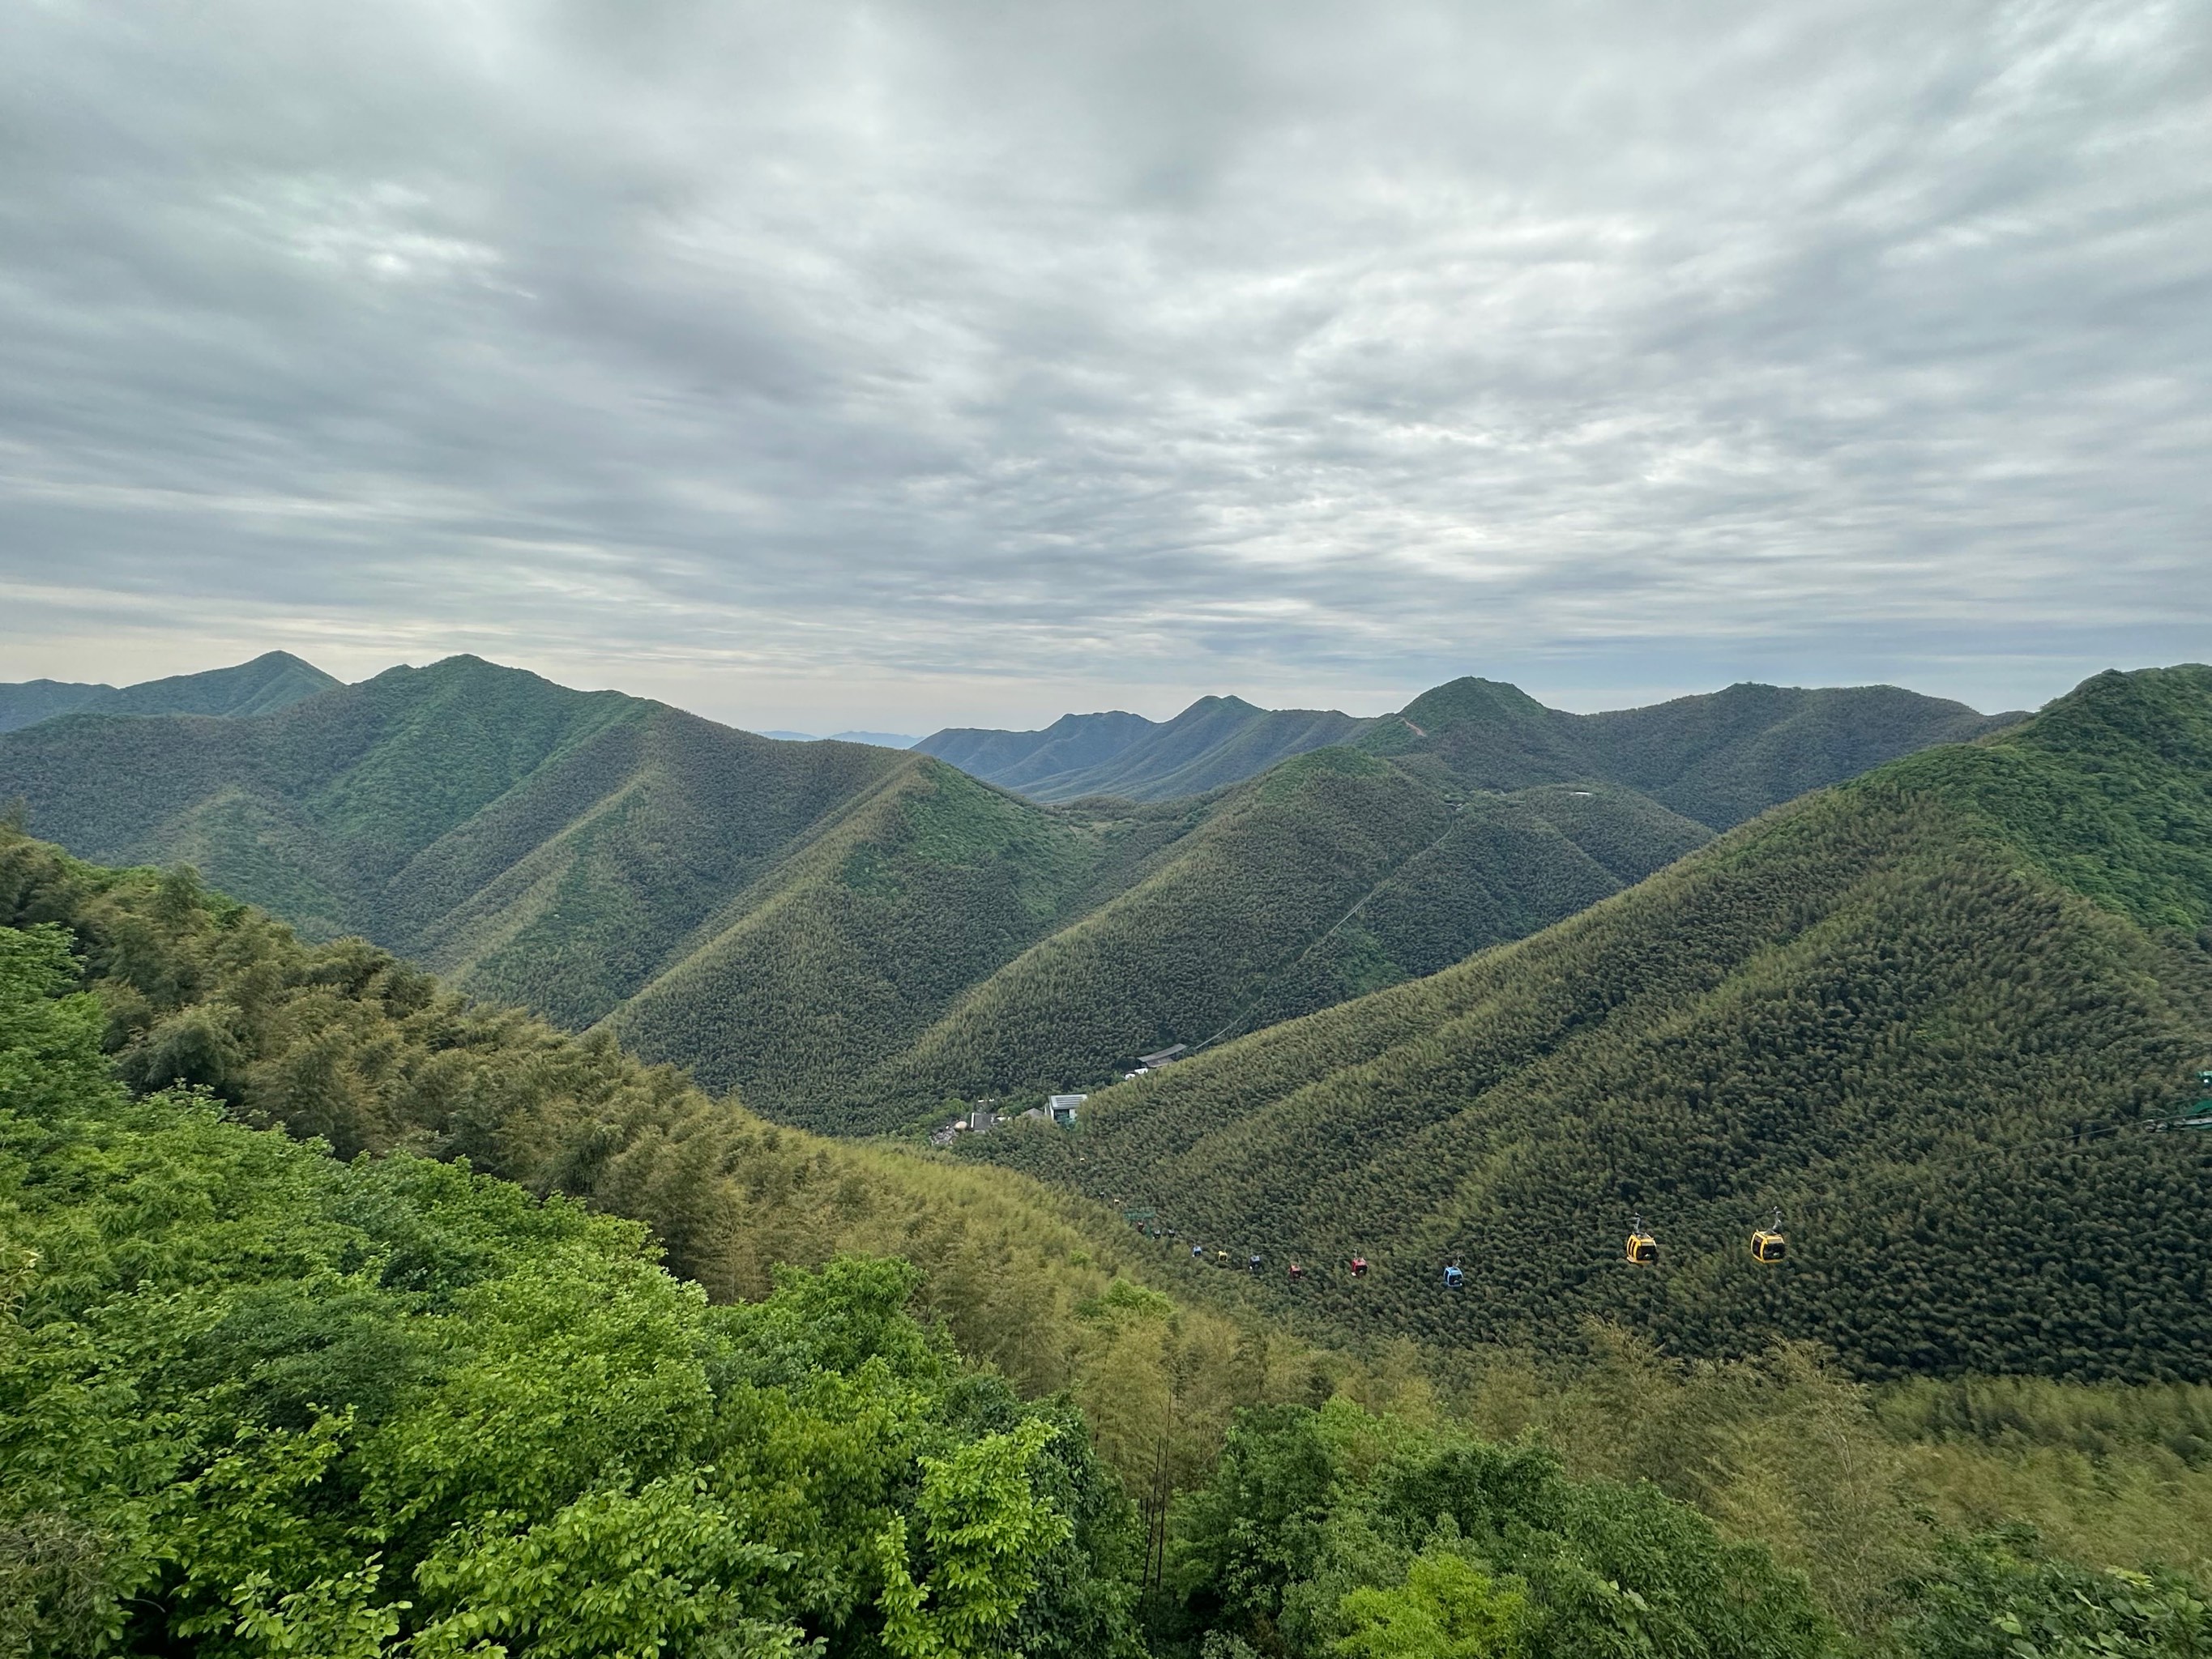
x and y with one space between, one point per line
427 1344
1719 758
273 681
554 846
865 937
776 915
1333 873
1919 1014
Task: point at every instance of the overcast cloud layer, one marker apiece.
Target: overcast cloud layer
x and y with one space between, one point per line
819 364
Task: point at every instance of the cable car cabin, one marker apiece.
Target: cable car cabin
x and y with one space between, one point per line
1296 1272
1359 1266
1252 1264
1768 1246
1198 1252
1221 1258
1643 1249
1454 1278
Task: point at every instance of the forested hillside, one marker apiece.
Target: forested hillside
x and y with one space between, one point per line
256 1399
275 680
1923 1015
1333 874
297 1406
391 1407
856 935
549 844
25 703
1719 758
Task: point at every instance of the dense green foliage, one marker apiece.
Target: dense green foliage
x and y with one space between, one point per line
273 681
254 1400
340 1040
1333 1532
2000 1598
872 931
1916 1014
1215 742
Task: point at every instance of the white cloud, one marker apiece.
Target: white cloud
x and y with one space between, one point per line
919 352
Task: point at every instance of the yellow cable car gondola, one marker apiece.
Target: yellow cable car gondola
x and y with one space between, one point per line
1768 1244
1643 1249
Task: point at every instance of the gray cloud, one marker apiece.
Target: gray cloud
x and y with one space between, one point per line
894 364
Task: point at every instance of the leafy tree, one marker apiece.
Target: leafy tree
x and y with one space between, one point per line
1998 1597
254 1401
1447 1608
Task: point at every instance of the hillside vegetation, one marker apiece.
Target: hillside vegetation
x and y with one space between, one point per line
564 849
260 1401
1333 874
275 680
481 1384
1920 1014
253 1398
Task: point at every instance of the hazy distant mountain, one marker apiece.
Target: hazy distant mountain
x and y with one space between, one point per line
1215 741
880 740
271 682
25 703
1717 758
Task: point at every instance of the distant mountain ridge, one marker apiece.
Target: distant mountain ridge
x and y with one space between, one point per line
272 681
1216 741
880 740
852 933
1717 758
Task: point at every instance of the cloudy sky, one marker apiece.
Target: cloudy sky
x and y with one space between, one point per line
816 364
